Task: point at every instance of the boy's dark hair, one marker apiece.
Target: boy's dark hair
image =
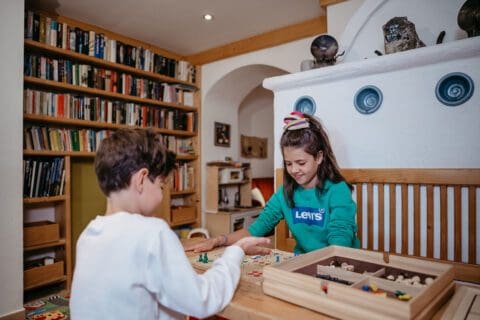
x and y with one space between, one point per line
312 139
125 152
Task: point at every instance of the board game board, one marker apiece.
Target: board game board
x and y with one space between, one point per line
359 284
251 268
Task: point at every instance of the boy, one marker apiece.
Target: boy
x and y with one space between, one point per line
129 264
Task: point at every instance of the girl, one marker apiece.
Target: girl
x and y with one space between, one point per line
315 200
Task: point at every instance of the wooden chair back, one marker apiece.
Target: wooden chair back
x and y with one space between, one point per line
425 213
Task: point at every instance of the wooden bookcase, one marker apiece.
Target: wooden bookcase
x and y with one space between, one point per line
72 99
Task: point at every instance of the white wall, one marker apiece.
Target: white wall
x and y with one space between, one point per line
411 129
11 85
363 34
255 118
225 83
339 15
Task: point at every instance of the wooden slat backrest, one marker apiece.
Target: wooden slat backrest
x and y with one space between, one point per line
423 184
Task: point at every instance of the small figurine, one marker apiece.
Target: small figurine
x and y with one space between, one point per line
468 18
400 35
324 49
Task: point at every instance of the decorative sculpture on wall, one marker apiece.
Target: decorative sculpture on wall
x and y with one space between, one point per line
469 17
324 49
368 99
400 35
454 89
305 104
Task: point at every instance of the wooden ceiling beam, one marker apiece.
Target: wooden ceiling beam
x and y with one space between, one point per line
262 41
325 3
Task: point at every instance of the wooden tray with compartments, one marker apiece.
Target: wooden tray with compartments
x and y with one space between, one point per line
359 284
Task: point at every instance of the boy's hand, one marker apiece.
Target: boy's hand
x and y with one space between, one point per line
253 245
203 246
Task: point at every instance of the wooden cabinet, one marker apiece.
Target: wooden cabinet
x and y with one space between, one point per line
229 198
47 232
81 83
226 222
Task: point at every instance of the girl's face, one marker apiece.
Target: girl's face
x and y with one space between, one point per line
302 166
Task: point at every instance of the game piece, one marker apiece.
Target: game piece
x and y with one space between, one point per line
428 281
404 297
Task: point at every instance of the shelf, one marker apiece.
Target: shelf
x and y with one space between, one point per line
97 92
79 168
187 157
49 153
103 63
235 183
371 67
181 193
50 281
44 199
97 124
184 222
58 243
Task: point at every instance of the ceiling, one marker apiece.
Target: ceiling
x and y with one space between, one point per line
177 25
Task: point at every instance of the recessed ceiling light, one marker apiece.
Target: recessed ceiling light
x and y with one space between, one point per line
207 17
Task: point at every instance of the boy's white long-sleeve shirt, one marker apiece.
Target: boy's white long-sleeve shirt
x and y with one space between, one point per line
129 266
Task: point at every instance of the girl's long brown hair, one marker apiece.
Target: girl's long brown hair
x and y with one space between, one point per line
312 140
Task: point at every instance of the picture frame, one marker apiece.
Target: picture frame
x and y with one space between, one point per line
253 147
221 134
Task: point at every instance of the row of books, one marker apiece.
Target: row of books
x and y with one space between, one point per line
181 146
184 178
84 75
62 139
43 177
81 107
47 30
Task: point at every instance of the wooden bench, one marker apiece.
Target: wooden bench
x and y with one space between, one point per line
424 213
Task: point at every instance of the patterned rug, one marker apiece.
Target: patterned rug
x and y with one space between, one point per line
49 308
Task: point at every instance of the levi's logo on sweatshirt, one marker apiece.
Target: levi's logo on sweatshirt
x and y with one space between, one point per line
310 216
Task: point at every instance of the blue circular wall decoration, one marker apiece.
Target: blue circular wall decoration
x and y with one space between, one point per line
368 99
305 104
454 88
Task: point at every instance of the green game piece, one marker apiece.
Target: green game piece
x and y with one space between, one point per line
200 259
205 258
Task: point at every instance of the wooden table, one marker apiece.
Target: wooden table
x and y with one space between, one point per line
250 303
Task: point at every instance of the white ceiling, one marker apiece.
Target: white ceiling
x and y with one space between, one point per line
177 25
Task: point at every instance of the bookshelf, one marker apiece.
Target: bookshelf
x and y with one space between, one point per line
81 83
